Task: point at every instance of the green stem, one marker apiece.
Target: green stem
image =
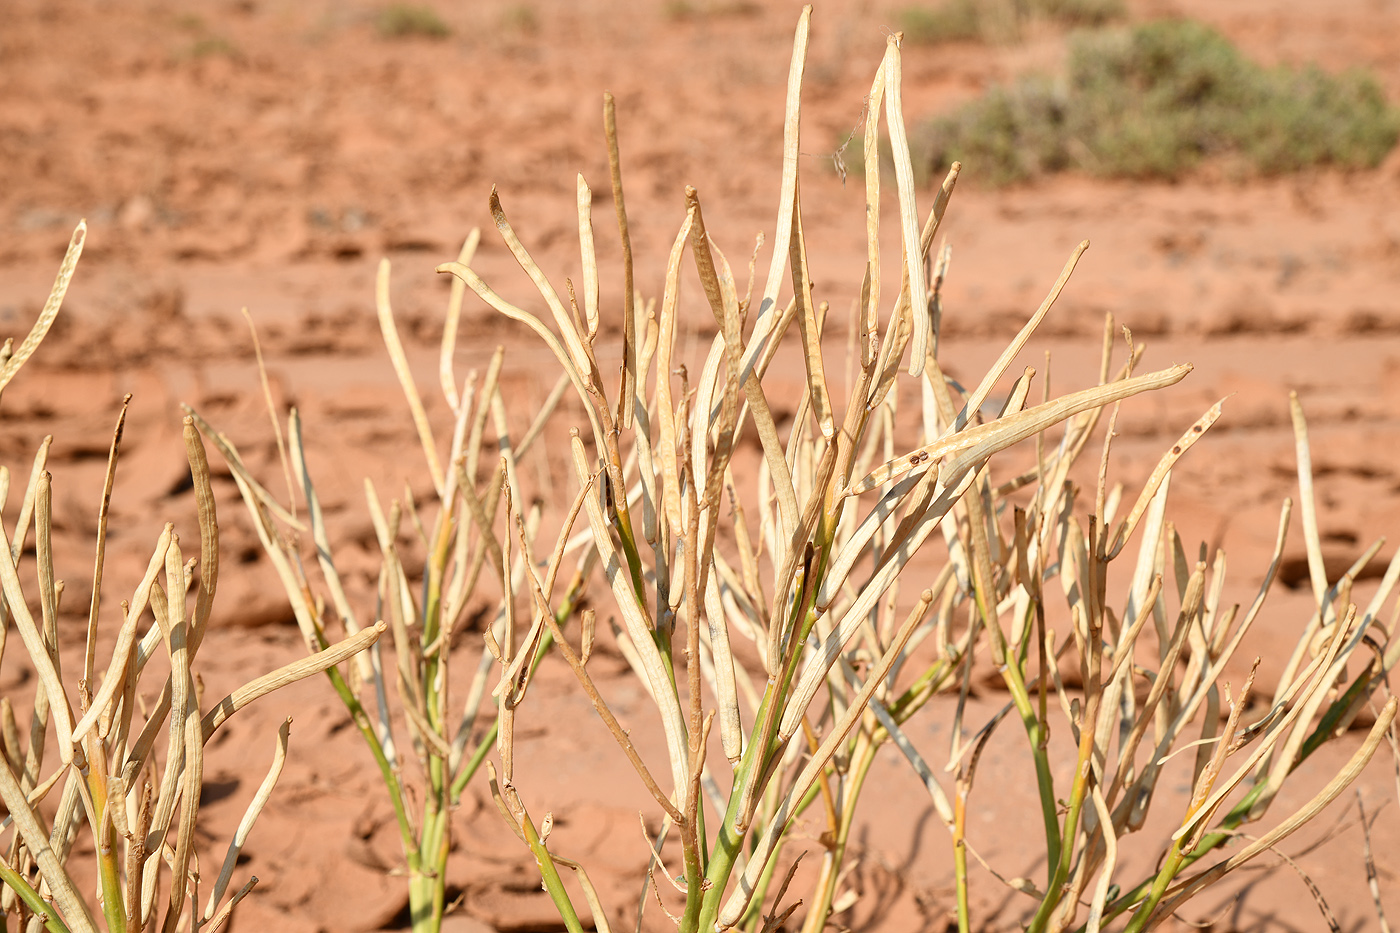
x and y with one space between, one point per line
434 840
386 770
1045 781
52 921
1174 862
1060 869
488 741
960 860
1015 679
728 840
752 921
1209 843
919 692
427 888
634 557
113 895
861 759
550 874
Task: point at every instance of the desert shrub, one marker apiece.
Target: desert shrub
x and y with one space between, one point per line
409 20
1156 100
1079 12
997 20
211 46
953 21
1013 133
709 9
424 616
810 559
130 758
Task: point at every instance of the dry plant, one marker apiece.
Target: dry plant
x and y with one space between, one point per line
142 814
1319 694
840 514
424 625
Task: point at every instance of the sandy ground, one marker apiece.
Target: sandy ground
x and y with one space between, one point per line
265 154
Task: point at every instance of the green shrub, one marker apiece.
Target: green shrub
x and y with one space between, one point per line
1079 12
212 46
1156 100
954 21
679 10
407 20
998 20
1013 133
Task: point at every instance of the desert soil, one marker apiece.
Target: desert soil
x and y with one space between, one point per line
266 154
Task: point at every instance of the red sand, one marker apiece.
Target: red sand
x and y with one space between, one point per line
266 154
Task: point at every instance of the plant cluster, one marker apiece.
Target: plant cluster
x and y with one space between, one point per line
410 20
690 9
1155 101
998 20
806 564
425 777
781 616
126 769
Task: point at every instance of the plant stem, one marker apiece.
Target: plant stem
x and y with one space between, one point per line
1174 862
634 557
52 921
113 894
428 887
1045 781
552 882
1209 842
862 757
985 597
960 859
1082 776
729 838
386 770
